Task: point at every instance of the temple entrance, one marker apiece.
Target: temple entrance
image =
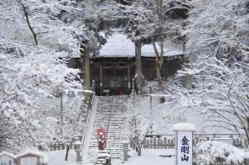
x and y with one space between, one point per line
115 80
114 77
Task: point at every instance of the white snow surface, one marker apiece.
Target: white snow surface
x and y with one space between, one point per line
148 157
118 45
151 156
184 127
58 158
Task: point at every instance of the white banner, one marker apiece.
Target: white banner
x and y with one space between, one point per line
184 148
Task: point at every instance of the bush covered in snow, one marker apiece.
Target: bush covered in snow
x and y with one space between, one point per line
212 152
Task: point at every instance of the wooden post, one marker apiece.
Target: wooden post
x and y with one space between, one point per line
67 151
165 142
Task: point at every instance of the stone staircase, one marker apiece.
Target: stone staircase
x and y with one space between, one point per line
111 114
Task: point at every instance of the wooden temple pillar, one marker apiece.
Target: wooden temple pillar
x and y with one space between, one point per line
101 78
129 75
139 74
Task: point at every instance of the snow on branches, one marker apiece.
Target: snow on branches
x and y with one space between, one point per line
217 48
30 76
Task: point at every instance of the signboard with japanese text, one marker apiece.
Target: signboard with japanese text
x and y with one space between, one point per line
184 148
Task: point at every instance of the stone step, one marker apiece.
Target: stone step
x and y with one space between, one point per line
113 117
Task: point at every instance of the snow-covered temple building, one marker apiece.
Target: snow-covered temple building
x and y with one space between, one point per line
113 69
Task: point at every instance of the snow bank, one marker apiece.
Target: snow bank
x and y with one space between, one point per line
184 127
211 151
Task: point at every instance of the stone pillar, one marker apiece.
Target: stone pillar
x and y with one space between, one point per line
184 143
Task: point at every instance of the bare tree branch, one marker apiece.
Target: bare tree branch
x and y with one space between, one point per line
28 21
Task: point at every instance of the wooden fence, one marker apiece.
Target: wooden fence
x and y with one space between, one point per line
159 142
168 141
61 146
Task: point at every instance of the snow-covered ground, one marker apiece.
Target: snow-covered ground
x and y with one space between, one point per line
149 157
58 158
153 156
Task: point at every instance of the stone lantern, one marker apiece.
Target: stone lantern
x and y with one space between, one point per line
77 147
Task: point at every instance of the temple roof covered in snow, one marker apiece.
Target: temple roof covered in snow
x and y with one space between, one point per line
118 45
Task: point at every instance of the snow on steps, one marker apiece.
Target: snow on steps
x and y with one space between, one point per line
111 114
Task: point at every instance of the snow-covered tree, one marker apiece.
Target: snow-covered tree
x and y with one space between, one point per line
151 22
218 52
30 75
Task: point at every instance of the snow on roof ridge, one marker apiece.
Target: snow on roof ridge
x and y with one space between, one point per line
7 153
184 127
34 152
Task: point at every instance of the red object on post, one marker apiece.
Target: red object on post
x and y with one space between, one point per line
102 138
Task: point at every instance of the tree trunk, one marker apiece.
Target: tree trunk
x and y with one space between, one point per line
159 60
86 70
87 77
247 130
160 53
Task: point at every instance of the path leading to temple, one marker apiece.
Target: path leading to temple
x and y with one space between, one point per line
111 114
